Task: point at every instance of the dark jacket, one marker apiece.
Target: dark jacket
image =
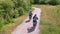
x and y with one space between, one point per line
30 14
35 18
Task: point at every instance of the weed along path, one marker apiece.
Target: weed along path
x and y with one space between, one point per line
23 28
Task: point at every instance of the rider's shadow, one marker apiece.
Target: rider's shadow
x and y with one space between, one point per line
27 21
31 29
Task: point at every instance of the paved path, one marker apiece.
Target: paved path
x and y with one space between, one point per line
22 29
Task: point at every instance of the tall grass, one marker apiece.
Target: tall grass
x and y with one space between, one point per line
50 19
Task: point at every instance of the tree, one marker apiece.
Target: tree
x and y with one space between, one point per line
10 9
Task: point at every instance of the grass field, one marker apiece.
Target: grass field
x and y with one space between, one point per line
50 19
10 27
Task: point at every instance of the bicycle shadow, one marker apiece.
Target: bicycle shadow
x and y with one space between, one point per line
27 21
31 29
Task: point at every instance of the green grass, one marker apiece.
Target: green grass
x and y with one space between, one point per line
50 19
7 29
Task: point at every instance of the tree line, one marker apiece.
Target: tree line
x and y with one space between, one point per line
50 2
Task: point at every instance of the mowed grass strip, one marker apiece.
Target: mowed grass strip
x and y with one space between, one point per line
50 19
9 28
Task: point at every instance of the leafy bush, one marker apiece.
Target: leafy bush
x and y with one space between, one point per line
10 9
